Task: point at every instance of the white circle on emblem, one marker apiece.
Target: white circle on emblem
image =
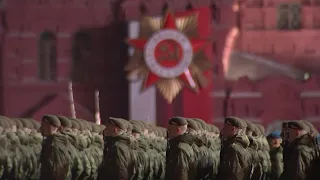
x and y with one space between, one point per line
186 53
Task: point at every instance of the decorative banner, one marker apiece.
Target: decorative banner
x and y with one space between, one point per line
169 54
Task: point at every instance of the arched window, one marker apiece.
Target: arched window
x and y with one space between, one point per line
81 49
215 13
47 67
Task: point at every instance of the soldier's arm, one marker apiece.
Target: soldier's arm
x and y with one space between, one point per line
59 160
277 168
181 164
302 162
123 160
235 169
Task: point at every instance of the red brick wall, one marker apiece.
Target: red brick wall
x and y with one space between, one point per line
24 95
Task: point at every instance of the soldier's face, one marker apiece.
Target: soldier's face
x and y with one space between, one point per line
46 129
172 131
136 135
109 130
293 134
228 130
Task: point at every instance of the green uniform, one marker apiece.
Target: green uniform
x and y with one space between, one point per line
180 154
276 162
299 155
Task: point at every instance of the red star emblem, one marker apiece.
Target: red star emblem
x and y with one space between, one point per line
170 50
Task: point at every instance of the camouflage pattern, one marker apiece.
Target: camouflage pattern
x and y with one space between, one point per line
79 151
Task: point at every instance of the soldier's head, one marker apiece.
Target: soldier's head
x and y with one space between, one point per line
129 128
214 131
65 123
192 126
261 129
97 129
49 125
201 125
75 126
250 128
274 139
27 125
313 131
136 130
297 129
177 126
115 127
233 126
35 126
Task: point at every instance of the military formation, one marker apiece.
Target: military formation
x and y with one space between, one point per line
63 148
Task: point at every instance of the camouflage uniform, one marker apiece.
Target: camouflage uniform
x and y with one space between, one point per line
55 156
299 156
235 161
263 152
180 154
276 158
256 170
118 154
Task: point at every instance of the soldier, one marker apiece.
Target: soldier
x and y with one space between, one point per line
3 149
276 156
201 166
97 147
83 150
139 148
117 152
55 159
76 166
180 154
263 152
313 133
35 142
15 152
29 160
234 161
256 165
299 158
214 146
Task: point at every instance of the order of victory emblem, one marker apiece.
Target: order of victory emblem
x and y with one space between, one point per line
169 54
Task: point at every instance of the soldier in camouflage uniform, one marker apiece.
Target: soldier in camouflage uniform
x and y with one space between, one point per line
214 147
55 156
5 161
276 156
235 160
76 166
15 152
256 165
97 147
263 152
298 161
180 154
35 143
117 152
312 134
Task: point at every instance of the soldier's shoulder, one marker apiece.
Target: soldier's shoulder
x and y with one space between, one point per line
186 149
304 149
59 139
237 147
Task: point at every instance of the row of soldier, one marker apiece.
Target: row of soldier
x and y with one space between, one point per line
120 149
